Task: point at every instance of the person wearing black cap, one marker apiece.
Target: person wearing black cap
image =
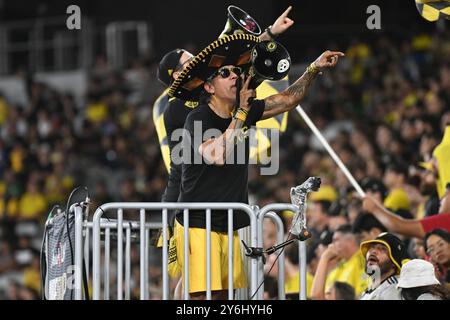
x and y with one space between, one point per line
384 258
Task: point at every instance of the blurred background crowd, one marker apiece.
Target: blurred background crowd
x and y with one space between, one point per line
383 109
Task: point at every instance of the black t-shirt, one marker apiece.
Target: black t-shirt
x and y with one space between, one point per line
174 118
211 183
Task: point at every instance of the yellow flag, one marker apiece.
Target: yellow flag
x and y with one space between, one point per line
442 154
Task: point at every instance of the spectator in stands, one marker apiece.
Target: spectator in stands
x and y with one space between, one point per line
340 291
395 180
407 227
437 246
427 188
270 288
419 248
367 227
317 216
269 233
32 204
350 267
292 276
418 282
384 256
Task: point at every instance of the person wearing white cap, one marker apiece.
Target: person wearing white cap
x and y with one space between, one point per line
418 282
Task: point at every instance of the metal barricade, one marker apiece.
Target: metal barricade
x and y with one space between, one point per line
268 211
280 238
88 238
98 224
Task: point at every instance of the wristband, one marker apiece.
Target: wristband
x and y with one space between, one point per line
269 32
240 113
312 68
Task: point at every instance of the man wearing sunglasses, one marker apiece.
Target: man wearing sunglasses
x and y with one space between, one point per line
170 114
221 176
176 110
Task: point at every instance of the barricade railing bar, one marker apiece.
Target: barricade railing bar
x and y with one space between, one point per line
89 235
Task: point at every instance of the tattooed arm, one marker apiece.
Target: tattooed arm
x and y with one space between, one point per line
290 98
216 150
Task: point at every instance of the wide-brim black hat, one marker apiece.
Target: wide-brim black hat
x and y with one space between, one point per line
233 50
395 246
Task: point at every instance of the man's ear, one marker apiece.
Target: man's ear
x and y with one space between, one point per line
208 87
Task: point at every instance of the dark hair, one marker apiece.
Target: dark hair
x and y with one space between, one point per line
437 290
271 286
292 253
326 237
374 185
366 222
205 97
324 204
344 291
311 247
398 168
345 228
444 234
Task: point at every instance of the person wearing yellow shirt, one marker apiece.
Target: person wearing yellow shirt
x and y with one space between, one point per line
292 273
32 204
394 179
350 268
31 274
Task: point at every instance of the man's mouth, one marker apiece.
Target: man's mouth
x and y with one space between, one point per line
372 260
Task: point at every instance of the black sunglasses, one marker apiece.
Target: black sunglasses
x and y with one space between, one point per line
225 72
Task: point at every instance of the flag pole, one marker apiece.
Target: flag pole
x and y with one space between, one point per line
333 154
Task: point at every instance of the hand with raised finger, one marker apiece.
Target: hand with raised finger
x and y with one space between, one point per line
328 59
246 95
282 23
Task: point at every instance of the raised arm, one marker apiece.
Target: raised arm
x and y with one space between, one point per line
216 150
280 25
290 98
393 222
320 277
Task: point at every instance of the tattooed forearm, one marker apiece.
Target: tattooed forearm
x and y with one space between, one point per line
289 98
298 89
216 151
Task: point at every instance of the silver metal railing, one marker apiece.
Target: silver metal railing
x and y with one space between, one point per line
269 211
89 235
99 224
280 238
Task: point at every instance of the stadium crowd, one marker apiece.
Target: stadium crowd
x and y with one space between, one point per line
384 109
